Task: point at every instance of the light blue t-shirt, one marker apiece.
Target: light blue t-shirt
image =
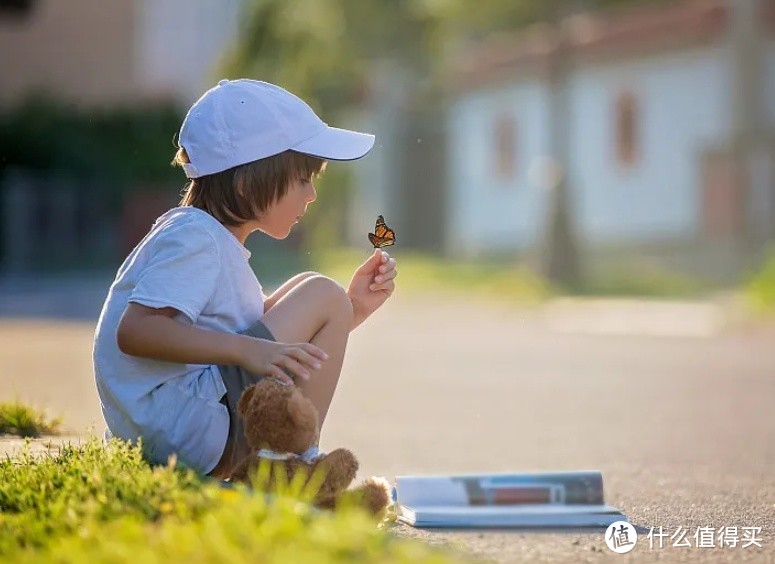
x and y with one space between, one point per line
190 262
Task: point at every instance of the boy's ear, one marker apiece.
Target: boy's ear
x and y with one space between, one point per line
244 400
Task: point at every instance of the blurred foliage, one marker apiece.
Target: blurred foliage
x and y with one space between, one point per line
420 273
510 281
126 145
761 288
323 51
642 280
324 225
106 156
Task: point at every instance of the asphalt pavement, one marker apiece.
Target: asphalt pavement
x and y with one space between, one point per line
682 427
679 421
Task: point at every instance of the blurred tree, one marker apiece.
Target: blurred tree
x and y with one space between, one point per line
323 51
560 256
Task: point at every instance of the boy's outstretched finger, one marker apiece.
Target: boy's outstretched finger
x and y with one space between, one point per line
388 264
306 359
312 350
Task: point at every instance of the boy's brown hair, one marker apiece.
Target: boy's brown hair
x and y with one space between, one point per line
244 192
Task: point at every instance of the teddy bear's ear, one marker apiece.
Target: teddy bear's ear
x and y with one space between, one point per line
244 400
302 411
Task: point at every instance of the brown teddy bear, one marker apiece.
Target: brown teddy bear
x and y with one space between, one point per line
281 425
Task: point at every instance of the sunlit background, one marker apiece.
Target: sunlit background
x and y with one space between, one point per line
603 146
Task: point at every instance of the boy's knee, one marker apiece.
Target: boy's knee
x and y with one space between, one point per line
332 293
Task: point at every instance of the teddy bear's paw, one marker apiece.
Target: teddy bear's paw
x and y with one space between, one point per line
383 483
376 495
340 467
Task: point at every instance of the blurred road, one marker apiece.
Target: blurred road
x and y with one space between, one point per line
682 427
74 297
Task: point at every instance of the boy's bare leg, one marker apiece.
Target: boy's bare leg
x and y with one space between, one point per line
318 311
285 288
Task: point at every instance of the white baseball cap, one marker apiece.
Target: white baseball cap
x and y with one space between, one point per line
240 121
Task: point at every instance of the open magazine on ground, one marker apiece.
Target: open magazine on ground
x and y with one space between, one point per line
547 499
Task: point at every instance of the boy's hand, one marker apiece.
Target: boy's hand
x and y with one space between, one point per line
281 360
372 284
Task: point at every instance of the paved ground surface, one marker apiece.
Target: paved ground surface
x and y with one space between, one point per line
680 422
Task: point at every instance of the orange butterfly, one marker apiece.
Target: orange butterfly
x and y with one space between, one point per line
383 236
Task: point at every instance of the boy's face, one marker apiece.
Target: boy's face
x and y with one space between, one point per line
282 215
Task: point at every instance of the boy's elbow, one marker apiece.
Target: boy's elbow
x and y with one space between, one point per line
125 338
136 327
131 329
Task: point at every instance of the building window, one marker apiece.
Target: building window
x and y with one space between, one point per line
627 128
505 146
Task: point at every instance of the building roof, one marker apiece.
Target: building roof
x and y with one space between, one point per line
601 36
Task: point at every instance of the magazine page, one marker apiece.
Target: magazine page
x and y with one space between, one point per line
563 488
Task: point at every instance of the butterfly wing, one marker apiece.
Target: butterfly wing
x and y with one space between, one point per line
383 236
380 228
389 238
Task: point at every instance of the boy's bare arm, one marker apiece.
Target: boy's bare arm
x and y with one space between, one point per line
153 333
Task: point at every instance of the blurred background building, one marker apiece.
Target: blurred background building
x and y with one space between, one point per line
569 134
667 140
77 76
105 53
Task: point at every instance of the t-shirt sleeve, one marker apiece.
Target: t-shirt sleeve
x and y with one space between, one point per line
181 271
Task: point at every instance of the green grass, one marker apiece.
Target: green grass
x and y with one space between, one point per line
19 419
504 280
510 281
104 503
642 281
424 273
760 291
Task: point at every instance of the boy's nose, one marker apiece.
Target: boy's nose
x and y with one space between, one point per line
313 195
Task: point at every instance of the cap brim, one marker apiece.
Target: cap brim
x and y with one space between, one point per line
336 144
